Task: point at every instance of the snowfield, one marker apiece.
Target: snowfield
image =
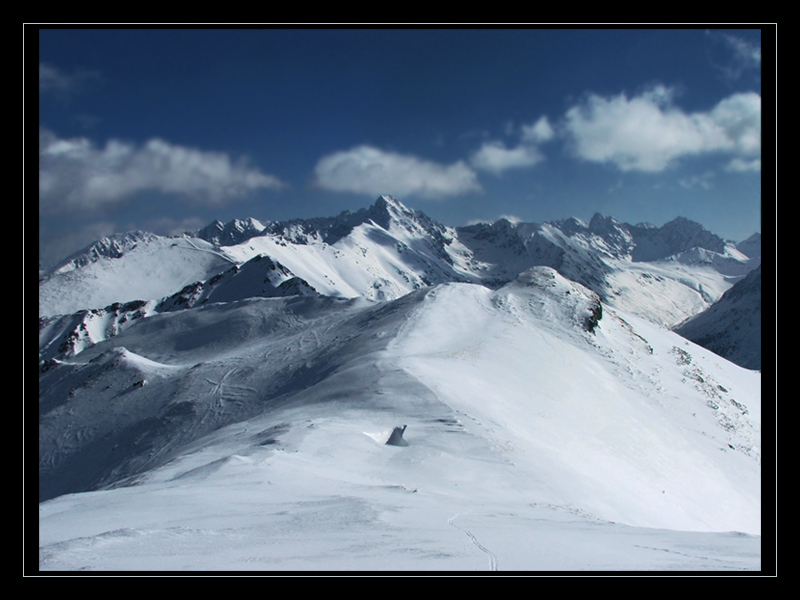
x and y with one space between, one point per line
146 271
596 413
534 444
376 392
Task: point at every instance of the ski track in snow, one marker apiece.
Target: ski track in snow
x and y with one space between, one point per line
229 391
491 556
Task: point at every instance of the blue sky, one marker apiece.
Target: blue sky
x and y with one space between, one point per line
167 129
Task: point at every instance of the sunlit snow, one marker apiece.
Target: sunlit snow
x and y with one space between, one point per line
405 417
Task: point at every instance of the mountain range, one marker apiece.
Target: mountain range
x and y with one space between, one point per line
523 371
667 274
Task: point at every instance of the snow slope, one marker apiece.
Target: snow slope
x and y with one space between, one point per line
149 269
223 401
631 422
543 434
731 327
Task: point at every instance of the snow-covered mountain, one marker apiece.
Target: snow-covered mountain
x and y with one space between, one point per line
751 247
237 419
381 253
388 250
137 267
229 234
731 327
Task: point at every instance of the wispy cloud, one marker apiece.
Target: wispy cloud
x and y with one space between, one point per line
76 174
539 132
495 157
53 79
371 171
702 181
649 133
740 165
735 56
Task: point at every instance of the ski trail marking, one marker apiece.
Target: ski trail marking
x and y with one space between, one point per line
475 542
231 391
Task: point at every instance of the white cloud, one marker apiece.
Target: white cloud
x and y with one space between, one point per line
538 133
648 133
496 158
368 170
740 117
75 174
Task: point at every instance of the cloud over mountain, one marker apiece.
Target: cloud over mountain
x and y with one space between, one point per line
368 170
649 133
76 174
495 157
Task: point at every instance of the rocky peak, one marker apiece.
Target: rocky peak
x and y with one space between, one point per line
231 233
679 235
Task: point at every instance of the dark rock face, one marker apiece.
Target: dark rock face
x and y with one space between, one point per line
396 439
595 314
731 327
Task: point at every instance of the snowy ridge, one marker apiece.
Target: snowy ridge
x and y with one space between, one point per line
66 336
388 250
540 387
106 247
379 253
258 277
523 425
229 234
149 270
238 419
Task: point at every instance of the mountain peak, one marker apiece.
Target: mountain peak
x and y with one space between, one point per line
571 226
676 236
386 209
113 246
600 223
231 233
390 201
751 247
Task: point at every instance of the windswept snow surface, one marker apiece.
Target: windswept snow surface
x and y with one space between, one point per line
632 424
250 436
153 268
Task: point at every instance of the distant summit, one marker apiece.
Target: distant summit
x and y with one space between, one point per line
384 251
113 246
231 233
751 247
242 368
678 235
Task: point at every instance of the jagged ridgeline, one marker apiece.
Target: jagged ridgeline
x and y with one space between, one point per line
665 274
377 373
